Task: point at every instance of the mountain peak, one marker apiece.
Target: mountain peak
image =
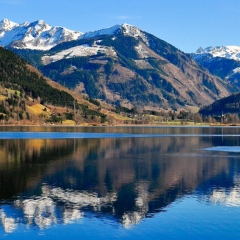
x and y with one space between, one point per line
39 22
35 35
7 25
200 50
229 52
125 28
106 31
41 36
40 25
130 30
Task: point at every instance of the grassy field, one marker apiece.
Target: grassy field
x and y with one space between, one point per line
38 109
2 97
68 122
13 92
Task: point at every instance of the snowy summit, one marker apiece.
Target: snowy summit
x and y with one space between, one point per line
37 35
229 52
126 29
6 25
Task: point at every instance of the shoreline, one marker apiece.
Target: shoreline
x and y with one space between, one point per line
122 125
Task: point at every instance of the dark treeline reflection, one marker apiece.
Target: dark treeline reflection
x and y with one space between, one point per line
51 181
23 163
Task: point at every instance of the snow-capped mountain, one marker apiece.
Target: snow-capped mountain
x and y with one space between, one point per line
101 32
37 35
125 28
223 62
121 65
229 52
96 47
128 66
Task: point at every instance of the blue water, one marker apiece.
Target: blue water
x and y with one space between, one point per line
224 149
186 219
120 183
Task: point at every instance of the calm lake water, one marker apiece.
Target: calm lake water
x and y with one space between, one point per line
120 183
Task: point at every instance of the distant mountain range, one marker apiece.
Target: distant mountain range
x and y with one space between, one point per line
121 65
37 35
228 52
223 62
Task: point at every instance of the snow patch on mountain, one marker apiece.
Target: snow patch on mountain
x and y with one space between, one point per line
236 70
229 52
234 73
142 51
78 51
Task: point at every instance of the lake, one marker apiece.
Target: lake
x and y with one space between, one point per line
119 183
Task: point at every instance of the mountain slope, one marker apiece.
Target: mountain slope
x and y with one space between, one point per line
16 73
126 66
28 96
230 104
134 68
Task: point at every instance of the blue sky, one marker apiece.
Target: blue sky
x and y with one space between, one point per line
186 24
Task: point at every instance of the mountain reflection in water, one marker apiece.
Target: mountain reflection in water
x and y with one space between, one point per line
45 182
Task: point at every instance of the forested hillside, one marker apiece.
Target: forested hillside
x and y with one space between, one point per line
27 95
229 104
